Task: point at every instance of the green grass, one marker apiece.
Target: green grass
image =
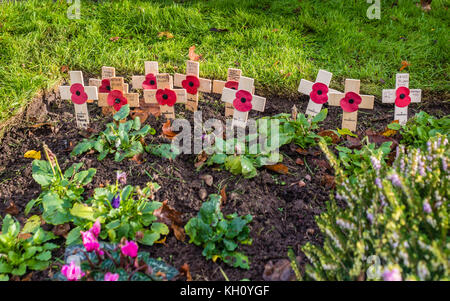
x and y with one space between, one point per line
275 42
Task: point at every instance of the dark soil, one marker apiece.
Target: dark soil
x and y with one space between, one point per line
283 211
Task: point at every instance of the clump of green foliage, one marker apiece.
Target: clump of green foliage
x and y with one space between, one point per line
220 235
395 221
60 191
123 212
122 139
26 249
419 129
355 161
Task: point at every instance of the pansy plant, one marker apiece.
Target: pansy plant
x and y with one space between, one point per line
79 95
401 96
121 139
350 102
165 96
192 83
317 91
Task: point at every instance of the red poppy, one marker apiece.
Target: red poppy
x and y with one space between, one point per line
116 99
78 95
149 82
403 99
319 93
191 84
243 101
166 97
105 87
351 102
232 84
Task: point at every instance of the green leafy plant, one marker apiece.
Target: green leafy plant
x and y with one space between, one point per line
26 249
112 265
353 160
123 212
218 235
123 139
60 191
419 129
395 222
164 150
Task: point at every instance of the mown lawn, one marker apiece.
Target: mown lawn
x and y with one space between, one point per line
276 42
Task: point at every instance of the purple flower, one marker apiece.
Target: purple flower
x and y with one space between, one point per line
392 275
375 163
395 180
370 217
444 164
378 183
72 272
426 207
111 277
116 201
122 177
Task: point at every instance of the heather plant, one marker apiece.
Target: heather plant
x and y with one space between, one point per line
99 261
419 129
220 235
124 212
121 139
60 190
24 249
394 224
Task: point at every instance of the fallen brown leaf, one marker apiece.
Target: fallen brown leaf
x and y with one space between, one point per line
404 65
143 115
64 69
27 277
168 215
192 55
328 181
201 159
278 168
24 236
12 208
61 230
329 133
299 161
138 158
353 142
184 270
301 151
167 131
388 132
166 34
223 194
280 271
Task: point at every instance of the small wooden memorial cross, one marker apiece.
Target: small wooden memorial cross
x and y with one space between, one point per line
243 100
104 86
147 81
318 91
232 82
118 96
192 83
351 102
78 93
401 96
165 96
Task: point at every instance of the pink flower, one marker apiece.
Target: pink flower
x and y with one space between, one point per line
130 249
403 99
243 101
78 95
392 275
319 93
351 102
72 272
90 241
121 177
111 277
96 228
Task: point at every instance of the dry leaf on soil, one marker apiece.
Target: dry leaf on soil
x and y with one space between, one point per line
329 133
166 34
192 55
167 131
32 154
184 270
278 168
168 215
12 209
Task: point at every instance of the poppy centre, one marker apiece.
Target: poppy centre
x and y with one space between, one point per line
402 96
117 100
351 100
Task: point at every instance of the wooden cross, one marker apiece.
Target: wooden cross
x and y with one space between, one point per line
243 100
165 96
318 91
232 82
78 93
147 81
401 96
104 86
118 96
351 101
192 83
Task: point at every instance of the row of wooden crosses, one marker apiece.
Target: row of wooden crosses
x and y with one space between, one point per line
238 93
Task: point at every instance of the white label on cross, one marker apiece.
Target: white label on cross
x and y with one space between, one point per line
81 110
306 87
389 96
258 102
350 119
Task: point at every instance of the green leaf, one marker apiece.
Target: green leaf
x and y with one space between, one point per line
20 270
5 268
160 228
44 256
346 132
123 113
30 206
8 221
113 225
163 150
82 147
83 211
321 116
394 126
149 238
32 224
73 236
